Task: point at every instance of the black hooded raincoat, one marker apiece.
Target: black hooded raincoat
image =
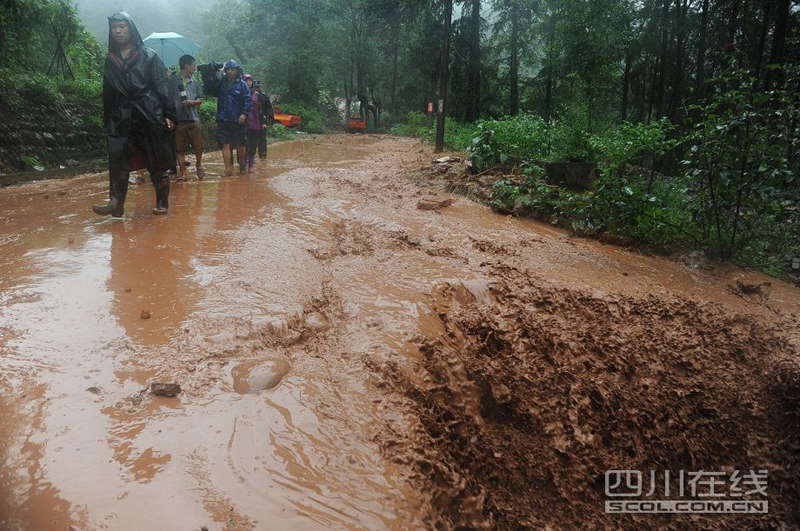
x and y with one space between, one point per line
136 100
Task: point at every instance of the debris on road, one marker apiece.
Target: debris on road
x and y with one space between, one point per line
169 390
434 203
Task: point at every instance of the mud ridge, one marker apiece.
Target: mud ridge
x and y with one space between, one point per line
534 391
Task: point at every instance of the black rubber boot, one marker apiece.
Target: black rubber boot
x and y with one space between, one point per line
117 190
161 184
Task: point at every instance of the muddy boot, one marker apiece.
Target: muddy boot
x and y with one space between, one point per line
161 184
242 161
117 190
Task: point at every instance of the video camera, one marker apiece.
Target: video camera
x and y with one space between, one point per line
210 74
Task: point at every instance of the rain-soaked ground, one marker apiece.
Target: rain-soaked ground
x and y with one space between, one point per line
275 300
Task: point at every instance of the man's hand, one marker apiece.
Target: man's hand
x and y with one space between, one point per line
169 123
242 119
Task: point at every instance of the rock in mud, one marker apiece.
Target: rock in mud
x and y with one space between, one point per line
165 389
316 321
434 203
259 375
145 314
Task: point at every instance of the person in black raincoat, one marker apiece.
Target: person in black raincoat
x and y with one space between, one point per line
138 114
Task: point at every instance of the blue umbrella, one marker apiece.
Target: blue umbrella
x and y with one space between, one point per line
171 46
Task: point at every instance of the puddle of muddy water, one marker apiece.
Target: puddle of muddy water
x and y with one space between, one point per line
268 296
231 254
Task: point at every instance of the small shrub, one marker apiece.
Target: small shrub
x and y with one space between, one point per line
314 121
279 132
208 111
457 136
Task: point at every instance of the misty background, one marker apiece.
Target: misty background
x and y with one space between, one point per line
181 16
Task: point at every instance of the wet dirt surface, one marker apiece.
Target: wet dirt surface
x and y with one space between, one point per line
327 334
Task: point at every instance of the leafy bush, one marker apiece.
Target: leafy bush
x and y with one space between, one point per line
659 218
208 111
457 136
629 143
417 125
745 179
510 141
314 121
516 140
279 132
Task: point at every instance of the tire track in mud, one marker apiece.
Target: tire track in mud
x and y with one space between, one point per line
534 391
519 392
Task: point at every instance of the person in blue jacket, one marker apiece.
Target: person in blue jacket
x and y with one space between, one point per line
233 105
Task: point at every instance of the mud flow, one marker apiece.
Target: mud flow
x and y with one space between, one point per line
356 349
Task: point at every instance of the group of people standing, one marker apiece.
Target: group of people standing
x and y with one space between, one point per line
243 114
151 121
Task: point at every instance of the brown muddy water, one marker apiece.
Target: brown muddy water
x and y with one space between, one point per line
275 300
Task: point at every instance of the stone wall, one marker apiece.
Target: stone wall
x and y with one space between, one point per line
62 135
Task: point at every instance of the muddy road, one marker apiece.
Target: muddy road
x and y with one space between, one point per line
348 360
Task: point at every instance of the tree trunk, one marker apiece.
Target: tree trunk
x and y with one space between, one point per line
700 79
548 97
443 76
778 51
474 66
733 21
395 53
662 62
766 18
514 67
680 50
626 76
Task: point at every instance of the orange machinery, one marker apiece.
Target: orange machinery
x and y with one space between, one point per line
287 120
356 125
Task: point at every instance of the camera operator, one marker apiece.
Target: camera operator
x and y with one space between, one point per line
233 105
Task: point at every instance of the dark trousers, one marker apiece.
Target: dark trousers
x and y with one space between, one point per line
262 144
253 139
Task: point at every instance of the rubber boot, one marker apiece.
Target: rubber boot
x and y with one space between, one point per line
240 153
161 184
117 190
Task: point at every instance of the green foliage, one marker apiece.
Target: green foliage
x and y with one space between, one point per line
313 120
630 143
737 196
417 125
208 111
279 132
743 170
513 141
32 162
457 136
659 218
